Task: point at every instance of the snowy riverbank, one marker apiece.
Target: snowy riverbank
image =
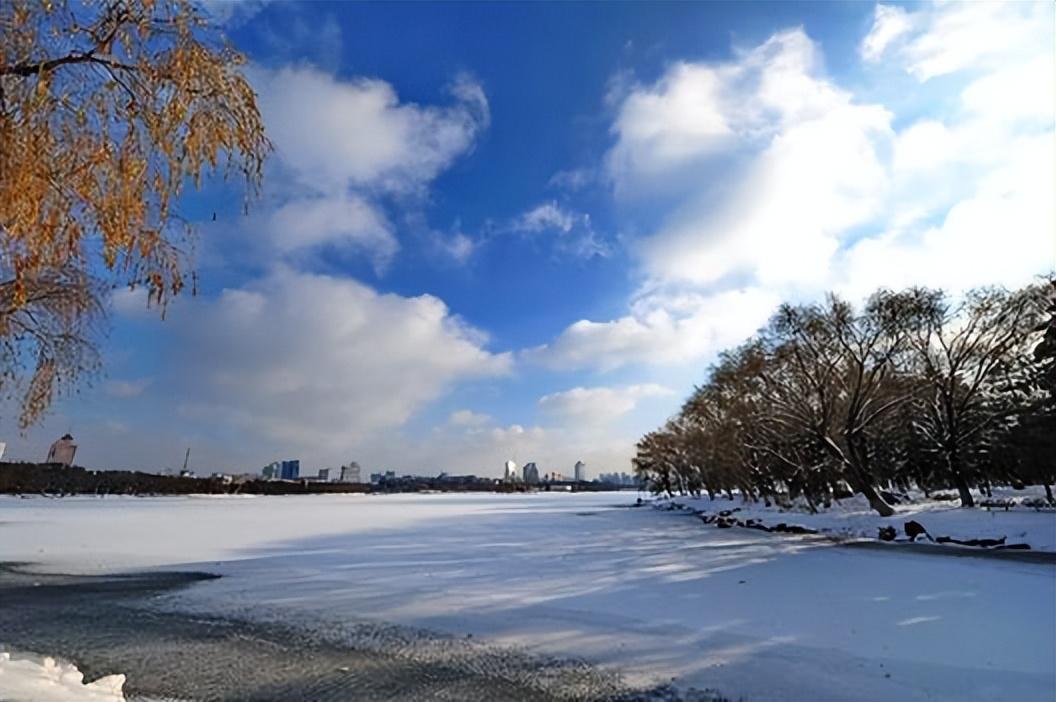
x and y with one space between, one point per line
1020 523
648 593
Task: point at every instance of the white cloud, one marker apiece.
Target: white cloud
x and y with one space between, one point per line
231 12
334 133
698 110
817 171
672 122
575 233
458 246
573 179
1001 233
543 217
469 418
317 363
661 330
124 389
343 220
341 145
598 405
889 23
944 38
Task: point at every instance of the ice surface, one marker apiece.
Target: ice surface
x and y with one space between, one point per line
655 594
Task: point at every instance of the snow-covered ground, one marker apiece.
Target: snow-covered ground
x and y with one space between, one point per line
654 593
853 517
36 679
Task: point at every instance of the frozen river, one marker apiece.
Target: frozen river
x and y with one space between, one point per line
648 595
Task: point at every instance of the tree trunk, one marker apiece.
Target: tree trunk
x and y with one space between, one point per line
1048 493
953 464
810 502
876 501
962 488
860 484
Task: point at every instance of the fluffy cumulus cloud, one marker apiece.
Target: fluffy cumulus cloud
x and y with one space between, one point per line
971 192
660 329
348 221
344 145
813 169
334 133
774 177
597 405
319 364
943 38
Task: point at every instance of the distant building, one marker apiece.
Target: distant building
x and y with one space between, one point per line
324 475
62 451
510 476
581 472
272 471
3 447
530 474
619 479
350 473
290 470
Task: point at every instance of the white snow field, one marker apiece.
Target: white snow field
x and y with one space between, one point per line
655 594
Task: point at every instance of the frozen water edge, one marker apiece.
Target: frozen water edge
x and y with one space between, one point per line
109 622
653 595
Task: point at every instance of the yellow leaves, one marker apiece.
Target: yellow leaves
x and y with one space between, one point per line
93 159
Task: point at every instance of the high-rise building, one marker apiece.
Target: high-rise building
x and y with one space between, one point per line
510 476
62 451
350 473
530 474
272 471
581 472
291 469
324 475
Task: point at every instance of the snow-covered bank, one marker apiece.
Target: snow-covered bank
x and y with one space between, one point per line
852 517
25 678
651 593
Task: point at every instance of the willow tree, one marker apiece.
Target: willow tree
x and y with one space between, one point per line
108 110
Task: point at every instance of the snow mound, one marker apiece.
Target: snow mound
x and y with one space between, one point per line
28 679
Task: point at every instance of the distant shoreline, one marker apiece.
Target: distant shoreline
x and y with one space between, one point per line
54 480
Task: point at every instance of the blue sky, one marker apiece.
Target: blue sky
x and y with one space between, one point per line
524 230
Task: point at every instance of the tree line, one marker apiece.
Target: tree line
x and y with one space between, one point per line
912 388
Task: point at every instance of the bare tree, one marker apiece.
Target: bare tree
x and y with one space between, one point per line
970 355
